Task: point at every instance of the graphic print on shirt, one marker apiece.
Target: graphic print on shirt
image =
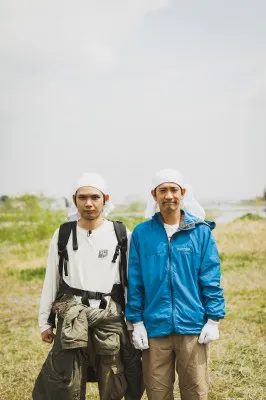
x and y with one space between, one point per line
103 253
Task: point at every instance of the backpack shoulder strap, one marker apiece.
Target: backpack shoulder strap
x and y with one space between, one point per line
63 237
121 235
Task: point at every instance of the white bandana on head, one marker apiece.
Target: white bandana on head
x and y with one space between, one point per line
189 203
94 180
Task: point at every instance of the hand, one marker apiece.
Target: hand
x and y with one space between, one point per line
48 335
209 332
140 337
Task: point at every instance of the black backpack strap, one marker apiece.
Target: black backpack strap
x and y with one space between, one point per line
74 235
63 237
121 235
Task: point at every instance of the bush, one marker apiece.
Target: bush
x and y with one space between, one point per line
24 220
251 217
130 222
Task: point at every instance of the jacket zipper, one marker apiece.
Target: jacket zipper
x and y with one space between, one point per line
171 282
186 227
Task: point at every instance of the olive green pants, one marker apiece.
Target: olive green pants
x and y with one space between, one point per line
64 374
176 353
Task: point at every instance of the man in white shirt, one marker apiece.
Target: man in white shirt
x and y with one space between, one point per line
88 269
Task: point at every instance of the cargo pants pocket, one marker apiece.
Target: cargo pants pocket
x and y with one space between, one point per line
51 385
111 378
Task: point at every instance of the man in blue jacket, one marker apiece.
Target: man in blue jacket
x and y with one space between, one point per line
175 300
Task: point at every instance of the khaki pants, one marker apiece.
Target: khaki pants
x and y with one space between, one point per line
182 353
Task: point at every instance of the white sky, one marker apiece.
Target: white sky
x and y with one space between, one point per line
125 88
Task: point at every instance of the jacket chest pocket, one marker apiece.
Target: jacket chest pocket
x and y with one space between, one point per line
155 250
154 266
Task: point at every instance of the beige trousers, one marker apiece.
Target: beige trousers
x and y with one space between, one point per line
180 353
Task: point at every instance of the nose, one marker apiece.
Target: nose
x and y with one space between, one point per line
88 202
168 195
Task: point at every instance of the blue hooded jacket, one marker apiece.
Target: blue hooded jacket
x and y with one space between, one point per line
174 286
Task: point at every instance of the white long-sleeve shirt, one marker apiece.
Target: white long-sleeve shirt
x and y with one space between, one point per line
89 268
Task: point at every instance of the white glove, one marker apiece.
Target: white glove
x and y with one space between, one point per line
209 332
140 337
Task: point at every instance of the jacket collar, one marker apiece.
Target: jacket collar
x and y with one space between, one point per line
187 220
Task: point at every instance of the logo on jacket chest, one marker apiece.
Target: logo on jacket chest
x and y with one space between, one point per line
103 253
185 249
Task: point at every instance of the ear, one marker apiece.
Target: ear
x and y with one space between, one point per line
74 199
153 193
107 197
183 191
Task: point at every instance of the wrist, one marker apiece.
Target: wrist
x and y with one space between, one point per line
138 324
213 322
130 326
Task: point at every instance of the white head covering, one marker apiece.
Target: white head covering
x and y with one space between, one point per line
189 203
94 180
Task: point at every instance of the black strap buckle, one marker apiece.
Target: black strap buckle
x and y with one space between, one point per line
117 250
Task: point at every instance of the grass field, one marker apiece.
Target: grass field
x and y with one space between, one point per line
238 359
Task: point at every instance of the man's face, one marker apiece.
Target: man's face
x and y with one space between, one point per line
168 196
89 202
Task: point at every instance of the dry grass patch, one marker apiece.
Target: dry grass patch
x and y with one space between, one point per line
238 359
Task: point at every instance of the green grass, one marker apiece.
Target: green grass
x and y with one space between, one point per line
28 274
238 358
29 231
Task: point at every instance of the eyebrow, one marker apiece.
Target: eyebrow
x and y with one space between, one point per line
169 187
88 195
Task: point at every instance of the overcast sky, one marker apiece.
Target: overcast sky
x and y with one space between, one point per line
125 88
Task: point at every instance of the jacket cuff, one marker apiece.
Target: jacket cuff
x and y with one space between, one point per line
214 317
45 327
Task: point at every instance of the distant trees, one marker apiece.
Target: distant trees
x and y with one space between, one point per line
135 206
